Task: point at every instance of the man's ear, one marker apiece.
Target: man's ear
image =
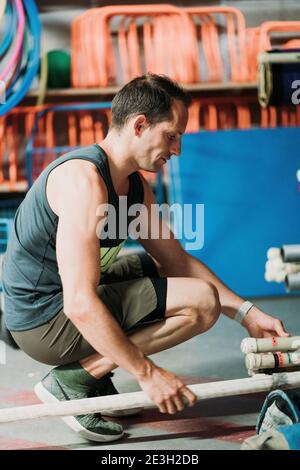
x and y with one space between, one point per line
140 123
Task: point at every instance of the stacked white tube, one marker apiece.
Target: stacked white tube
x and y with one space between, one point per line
256 362
270 353
276 269
275 343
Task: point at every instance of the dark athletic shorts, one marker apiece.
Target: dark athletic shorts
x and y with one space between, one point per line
132 291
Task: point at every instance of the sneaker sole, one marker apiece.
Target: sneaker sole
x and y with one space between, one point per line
47 397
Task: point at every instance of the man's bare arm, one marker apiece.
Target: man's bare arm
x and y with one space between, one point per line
79 261
176 262
78 257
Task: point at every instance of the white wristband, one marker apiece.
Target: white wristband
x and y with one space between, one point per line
242 311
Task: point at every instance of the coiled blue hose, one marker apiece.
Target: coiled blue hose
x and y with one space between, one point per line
10 29
13 97
21 68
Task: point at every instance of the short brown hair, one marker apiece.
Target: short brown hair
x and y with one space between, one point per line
151 95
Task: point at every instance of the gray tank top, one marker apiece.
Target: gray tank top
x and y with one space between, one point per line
31 283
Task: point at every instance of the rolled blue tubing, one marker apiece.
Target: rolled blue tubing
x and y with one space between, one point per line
33 59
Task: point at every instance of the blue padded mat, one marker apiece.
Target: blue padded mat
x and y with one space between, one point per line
247 183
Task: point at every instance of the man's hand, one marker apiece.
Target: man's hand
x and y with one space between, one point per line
262 325
166 390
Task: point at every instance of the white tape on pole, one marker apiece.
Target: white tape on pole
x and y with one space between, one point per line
258 383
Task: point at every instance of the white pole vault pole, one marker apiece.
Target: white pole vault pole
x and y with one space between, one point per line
258 383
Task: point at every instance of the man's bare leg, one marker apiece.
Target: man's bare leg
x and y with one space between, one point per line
192 308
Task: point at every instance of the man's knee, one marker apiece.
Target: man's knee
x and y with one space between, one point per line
206 309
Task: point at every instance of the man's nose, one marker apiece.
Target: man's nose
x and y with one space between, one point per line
176 148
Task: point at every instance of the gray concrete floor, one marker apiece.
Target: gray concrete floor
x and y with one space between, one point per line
211 424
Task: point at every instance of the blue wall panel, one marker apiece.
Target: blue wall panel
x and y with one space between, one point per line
247 182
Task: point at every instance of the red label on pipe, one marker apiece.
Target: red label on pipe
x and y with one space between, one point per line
280 359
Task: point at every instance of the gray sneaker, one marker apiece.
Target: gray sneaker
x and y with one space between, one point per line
72 382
